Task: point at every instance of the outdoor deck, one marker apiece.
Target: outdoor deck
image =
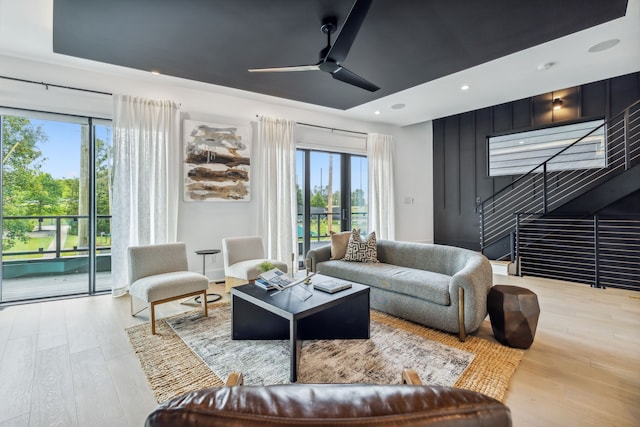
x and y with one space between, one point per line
29 288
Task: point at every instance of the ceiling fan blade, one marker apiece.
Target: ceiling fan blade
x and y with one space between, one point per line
349 31
347 76
315 67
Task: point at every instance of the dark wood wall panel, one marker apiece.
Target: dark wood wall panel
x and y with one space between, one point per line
460 150
594 99
467 216
484 184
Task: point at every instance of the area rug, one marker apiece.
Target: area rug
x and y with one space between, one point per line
378 360
172 368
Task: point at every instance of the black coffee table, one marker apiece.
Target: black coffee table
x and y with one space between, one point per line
257 315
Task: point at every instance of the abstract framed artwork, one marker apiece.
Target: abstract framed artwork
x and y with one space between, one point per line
217 162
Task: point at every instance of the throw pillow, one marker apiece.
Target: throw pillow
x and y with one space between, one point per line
339 243
359 250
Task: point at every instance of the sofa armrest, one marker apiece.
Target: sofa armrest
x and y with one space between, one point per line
317 255
476 278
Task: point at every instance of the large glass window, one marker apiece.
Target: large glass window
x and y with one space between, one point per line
332 196
56 174
519 153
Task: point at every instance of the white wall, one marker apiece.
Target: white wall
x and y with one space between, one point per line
414 183
202 225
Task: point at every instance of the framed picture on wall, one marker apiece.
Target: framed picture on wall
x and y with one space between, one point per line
217 162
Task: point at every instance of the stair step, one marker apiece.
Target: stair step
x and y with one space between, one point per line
500 267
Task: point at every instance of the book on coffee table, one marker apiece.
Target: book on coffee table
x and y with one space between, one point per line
280 280
264 284
331 286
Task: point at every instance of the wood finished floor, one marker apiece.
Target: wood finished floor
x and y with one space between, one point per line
69 362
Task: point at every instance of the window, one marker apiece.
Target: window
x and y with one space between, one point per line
519 153
331 194
56 205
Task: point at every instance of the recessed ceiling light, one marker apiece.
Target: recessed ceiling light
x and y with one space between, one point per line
377 112
608 44
398 106
464 88
545 66
155 72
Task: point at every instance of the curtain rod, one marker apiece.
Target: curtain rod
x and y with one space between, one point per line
47 85
331 129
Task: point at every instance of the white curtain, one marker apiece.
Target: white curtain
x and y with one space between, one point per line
146 184
275 173
380 157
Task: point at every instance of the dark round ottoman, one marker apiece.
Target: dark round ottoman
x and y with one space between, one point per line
514 313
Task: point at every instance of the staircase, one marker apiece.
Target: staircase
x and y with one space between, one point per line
545 190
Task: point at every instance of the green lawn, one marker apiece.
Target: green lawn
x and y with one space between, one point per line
33 244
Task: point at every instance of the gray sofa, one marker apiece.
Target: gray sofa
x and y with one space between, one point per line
442 287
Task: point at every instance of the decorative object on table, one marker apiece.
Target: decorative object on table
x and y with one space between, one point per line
277 279
159 274
211 296
217 160
266 266
172 368
242 258
514 313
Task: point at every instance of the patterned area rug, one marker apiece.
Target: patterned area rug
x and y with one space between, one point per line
377 360
439 358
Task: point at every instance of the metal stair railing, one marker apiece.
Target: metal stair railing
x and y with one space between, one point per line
601 251
543 189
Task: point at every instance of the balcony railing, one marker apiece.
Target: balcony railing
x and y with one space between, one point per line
46 258
320 220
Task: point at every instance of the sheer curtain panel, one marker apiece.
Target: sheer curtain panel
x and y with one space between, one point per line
275 161
380 157
146 184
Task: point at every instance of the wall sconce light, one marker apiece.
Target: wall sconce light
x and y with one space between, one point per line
557 103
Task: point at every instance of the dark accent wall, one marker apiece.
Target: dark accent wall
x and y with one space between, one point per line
460 147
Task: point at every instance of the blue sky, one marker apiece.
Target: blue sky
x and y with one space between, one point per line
62 148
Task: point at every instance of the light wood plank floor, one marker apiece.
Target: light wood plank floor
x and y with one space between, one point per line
69 362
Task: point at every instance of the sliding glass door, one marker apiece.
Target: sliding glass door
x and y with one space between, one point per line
331 194
56 173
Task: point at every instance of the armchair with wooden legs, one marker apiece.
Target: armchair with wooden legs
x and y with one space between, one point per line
159 274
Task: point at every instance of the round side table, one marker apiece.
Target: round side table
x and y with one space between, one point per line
211 297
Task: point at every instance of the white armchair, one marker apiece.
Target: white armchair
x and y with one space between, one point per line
242 258
160 273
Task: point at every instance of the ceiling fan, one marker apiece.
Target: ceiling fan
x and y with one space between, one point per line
331 57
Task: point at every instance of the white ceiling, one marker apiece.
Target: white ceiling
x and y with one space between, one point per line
26 32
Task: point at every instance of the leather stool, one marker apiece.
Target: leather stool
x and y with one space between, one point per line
514 313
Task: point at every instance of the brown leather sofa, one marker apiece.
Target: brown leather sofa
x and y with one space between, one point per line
331 405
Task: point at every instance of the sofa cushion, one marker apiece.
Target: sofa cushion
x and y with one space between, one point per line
359 250
339 242
162 286
426 285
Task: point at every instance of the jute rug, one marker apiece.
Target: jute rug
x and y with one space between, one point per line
172 368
